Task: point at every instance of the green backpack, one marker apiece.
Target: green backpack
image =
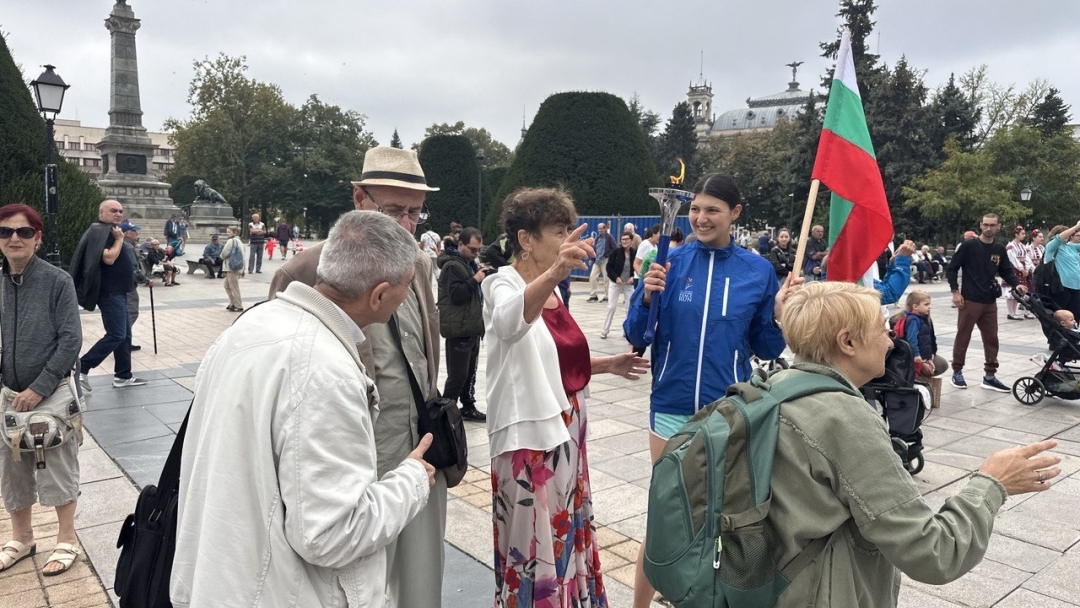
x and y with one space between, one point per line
705 542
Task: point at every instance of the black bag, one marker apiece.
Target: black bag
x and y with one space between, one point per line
148 538
1045 279
995 288
442 418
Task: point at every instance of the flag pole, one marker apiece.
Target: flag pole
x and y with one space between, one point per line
804 232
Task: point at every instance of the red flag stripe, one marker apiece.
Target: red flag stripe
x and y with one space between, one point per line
853 175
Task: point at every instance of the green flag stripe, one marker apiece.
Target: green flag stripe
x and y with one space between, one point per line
839 209
844 117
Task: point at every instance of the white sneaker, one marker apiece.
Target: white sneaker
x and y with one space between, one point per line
84 382
132 381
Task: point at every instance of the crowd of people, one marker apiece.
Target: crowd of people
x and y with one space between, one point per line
329 493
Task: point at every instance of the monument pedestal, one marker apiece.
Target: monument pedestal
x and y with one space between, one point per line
206 219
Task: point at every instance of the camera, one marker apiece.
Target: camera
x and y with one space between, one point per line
488 270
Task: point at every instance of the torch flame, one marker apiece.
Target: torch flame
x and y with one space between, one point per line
676 181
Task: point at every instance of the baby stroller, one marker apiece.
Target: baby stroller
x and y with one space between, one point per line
902 404
1056 377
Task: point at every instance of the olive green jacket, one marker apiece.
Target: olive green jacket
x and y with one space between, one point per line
835 473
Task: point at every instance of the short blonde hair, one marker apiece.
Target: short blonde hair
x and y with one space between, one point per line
914 299
817 312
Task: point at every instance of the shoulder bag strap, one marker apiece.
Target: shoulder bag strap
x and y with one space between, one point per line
418 394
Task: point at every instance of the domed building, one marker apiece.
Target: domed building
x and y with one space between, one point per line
761 113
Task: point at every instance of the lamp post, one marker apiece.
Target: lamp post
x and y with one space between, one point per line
479 188
307 227
49 90
1025 194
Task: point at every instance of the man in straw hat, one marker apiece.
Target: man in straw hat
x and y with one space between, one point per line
393 183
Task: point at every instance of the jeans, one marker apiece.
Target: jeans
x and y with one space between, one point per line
462 355
256 253
117 338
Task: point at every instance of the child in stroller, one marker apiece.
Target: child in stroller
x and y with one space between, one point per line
903 404
1057 377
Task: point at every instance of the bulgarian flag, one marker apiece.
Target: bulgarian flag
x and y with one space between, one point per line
860 226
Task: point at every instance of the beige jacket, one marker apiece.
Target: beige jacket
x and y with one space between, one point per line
835 472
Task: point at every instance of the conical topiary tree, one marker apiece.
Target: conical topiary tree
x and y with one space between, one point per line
589 144
449 163
23 157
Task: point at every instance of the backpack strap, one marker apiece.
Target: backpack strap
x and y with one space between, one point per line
809 553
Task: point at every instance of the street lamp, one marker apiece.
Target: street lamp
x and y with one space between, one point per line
479 184
49 90
307 227
1025 194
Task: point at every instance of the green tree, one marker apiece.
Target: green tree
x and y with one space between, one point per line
395 141
679 140
1048 165
327 152
23 158
649 121
450 164
496 153
238 135
857 16
1051 114
955 195
954 114
999 105
590 144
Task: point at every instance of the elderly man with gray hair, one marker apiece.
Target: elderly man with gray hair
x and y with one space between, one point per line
280 501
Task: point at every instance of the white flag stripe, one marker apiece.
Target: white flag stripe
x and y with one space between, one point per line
845 65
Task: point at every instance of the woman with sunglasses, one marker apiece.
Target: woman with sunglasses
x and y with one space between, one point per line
41 334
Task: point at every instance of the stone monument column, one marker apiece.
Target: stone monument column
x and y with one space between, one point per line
126 150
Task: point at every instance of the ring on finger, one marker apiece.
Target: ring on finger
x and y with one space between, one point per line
1041 479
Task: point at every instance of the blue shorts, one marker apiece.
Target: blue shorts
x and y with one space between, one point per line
665 425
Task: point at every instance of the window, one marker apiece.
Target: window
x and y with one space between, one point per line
165 152
88 147
59 144
91 162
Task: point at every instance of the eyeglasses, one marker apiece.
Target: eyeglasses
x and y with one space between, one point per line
24 232
397 212
471 248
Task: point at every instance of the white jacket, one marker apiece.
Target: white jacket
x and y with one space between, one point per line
279 502
524 386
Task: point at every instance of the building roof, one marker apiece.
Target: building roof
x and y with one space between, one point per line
763 112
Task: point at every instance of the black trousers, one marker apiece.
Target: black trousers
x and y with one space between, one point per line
462 355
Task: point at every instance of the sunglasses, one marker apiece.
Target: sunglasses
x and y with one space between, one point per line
24 232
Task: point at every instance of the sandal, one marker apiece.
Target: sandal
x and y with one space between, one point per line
64 554
14 552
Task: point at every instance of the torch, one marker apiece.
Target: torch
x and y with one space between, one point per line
671 199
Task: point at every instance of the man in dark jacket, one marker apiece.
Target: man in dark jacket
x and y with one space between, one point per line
461 319
172 229
982 261
211 258
106 260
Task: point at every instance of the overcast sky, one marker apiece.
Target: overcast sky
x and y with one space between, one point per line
409 63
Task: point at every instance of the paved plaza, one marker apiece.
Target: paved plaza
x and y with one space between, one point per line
1032 560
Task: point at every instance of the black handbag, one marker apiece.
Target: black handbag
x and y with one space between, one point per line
442 418
147 539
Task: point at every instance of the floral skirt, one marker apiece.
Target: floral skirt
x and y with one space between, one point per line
546 554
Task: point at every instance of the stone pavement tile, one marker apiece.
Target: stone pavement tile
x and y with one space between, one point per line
99 545
623 574
600 481
112 398
626 468
31 598
936 475
170 412
80 569
111 427
606 537
934 437
20 582
1012 436
619 503
633 527
598 453
95 465
1039 426
177 372
947 421
987 583
1071 433
979 446
470 529
1053 505
1068 485
628 550
609 561
910 597
625 443
1062 411
599 429
476 476
1071 448
1058 580
480 500
105 501
78 592
601 411
1052 535
1019 554
951 458
980 415
1024 598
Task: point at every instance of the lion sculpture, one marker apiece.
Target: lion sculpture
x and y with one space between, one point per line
206 194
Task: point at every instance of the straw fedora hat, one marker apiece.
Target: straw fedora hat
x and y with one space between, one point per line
387 166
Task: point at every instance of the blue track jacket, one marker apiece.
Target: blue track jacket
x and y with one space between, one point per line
715 311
